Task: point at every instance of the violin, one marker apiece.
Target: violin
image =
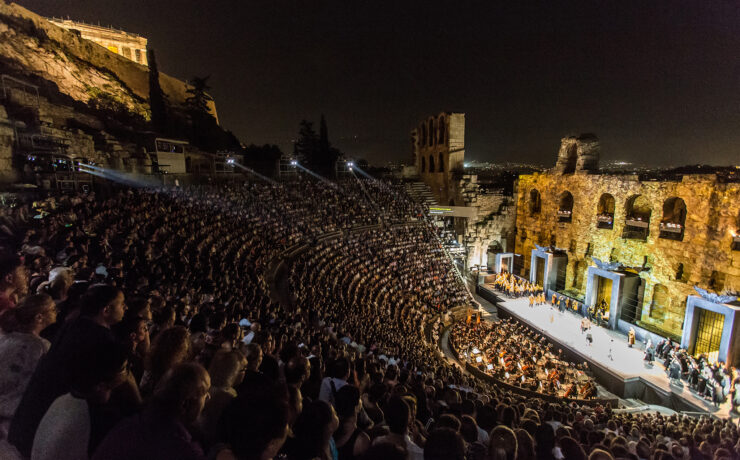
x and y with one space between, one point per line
570 390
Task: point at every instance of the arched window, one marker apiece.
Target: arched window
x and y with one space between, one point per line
605 212
637 220
565 207
674 219
423 164
423 131
431 131
535 202
431 163
441 130
441 162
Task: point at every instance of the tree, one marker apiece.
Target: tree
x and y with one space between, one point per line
316 151
198 99
306 147
157 97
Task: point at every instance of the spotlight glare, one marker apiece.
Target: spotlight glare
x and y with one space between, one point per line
350 164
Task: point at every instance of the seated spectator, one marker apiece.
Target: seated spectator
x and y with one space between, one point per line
351 441
444 444
254 426
397 415
170 348
13 281
74 425
227 372
313 433
21 347
101 307
502 444
161 430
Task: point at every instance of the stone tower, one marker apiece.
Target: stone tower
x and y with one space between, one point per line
578 154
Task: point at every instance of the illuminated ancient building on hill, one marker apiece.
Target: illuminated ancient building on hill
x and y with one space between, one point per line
637 244
129 45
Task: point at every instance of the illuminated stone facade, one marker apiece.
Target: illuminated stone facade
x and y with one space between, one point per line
131 46
673 233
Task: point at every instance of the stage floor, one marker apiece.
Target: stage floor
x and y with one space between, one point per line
624 361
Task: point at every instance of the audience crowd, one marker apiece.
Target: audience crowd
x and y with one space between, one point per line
263 320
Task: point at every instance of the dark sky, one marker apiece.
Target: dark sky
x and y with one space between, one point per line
657 81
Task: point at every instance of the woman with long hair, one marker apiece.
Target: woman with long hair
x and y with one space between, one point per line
313 433
21 347
170 347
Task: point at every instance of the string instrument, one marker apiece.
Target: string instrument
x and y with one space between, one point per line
570 390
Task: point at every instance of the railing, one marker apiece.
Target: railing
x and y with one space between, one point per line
564 215
636 228
605 221
671 231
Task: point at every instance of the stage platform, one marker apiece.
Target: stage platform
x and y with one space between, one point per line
617 367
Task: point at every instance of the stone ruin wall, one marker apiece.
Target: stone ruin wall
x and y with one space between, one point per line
494 220
713 213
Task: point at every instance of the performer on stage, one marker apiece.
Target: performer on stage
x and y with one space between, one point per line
631 337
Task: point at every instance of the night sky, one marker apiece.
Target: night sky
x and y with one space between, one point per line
657 81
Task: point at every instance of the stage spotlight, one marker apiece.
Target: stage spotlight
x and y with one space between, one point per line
293 162
350 164
230 161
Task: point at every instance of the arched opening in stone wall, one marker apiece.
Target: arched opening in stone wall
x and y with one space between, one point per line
674 219
571 159
423 131
431 131
565 207
579 273
535 202
637 220
605 211
441 160
423 164
660 303
441 128
735 233
431 163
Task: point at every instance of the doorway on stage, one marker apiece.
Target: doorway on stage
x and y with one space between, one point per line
603 298
709 333
539 271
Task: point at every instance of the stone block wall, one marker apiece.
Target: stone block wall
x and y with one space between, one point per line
668 267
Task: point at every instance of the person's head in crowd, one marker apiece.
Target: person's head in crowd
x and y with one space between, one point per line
313 430
348 402
342 368
524 445
297 371
60 280
217 321
572 448
183 392
397 415
255 426
164 317
140 306
600 454
13 277
227 369
385 451
104 304
468 429
230 336
132 331
169 349
444 444
254 356
502 444
198 324
31 316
